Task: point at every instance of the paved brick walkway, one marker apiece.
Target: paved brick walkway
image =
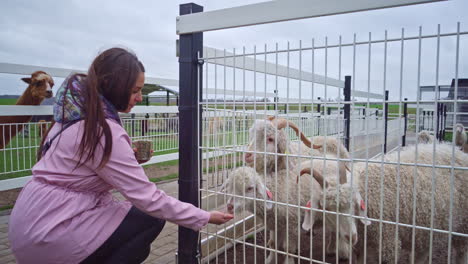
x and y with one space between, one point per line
163 248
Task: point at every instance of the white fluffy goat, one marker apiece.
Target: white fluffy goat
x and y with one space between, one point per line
425 137
268 136
384 183
461 139
246 182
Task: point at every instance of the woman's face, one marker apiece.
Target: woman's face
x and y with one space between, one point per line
136 96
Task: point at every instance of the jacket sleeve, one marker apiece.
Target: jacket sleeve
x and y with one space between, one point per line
123 172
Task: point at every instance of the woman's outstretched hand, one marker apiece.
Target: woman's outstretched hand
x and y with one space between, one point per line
219 218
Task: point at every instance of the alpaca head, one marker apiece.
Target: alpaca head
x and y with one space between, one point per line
40 84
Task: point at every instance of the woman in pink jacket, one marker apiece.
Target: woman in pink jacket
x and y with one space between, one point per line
66 213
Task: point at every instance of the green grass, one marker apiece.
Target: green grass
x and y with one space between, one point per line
448 136
165 178
6 207
21 157
8 101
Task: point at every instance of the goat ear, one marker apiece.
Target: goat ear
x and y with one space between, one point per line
26 80
361 208
263 191
224 185
307 223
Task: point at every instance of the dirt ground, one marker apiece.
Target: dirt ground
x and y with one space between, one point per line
260 253
156 171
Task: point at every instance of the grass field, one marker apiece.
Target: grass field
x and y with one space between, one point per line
7 101
20 155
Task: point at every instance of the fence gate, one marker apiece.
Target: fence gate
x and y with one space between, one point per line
382 179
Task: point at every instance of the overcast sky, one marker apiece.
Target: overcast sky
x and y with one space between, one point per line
70 34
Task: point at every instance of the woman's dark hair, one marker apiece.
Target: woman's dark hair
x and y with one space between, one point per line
112 74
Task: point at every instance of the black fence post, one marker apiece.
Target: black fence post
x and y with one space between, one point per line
318 106
445 122
437 130
386 121
424 120
275 99
167 98
432 119
191 46
347 110
405 116
328 110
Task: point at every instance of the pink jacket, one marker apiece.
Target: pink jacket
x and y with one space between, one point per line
63 215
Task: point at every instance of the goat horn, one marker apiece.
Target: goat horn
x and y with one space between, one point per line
317 176
282 123
342 171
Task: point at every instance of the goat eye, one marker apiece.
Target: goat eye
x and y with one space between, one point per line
249 188
271 139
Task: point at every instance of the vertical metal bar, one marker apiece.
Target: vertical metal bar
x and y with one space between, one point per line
133 125
385 121
450 220
191 46
319 118
347 108
415 170
437 96
405 117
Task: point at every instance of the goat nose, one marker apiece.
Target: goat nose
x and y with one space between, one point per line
230 207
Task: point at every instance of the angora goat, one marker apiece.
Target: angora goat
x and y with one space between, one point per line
461 139
383 183
268 137
246 182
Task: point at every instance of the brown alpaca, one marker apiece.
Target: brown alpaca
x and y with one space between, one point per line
39 88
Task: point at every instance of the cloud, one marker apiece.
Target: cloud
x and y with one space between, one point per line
70 34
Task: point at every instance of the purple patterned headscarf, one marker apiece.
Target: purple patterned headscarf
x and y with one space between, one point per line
69 101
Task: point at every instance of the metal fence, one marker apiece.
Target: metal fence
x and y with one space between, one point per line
397 201
19 155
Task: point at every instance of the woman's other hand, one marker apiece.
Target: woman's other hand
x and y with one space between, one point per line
219 218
